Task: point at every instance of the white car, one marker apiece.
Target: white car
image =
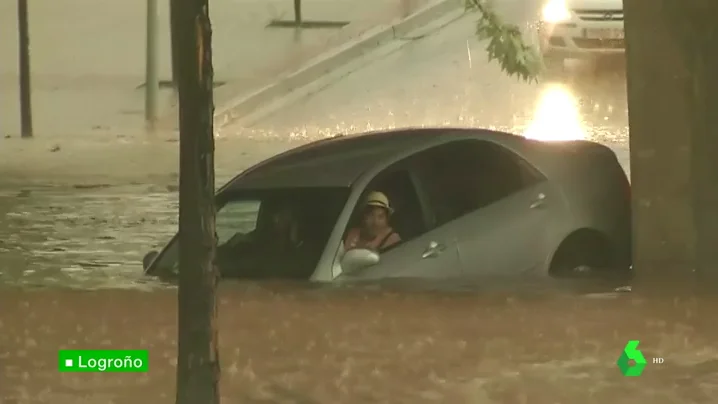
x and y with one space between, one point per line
581 29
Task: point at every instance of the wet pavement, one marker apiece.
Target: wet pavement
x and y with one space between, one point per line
444 78
98 90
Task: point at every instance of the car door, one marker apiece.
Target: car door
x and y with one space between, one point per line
496 204
433 255
508 236
423 252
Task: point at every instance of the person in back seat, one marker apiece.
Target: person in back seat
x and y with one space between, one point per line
375 233
274 249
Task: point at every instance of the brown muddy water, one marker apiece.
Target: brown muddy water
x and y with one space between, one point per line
496 342
86 237
284 343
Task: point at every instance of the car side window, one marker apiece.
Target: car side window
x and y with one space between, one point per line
236 217
408 218
463 176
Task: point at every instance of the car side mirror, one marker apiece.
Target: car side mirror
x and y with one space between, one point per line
147 260
358 259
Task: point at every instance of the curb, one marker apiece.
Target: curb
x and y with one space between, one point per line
336 58
297 95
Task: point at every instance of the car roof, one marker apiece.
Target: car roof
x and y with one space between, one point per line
338 161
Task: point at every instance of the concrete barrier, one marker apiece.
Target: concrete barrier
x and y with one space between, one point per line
329 61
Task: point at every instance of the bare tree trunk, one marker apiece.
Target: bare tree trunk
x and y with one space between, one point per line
174 53
24 58
672 73
198 357
298 12
700 41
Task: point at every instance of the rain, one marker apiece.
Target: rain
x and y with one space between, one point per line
78 215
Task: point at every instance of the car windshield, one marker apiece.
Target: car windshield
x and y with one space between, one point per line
274 233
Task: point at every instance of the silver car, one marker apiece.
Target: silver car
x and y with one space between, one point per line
467 203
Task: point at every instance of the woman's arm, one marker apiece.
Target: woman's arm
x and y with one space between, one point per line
351 240
393 239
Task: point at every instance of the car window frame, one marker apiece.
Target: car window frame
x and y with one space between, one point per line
221 198
220 209
523 164
423 182
406 166
335 248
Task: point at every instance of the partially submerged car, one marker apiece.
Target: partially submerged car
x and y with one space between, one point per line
580 29
466 202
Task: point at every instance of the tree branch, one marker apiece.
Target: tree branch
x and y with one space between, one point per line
505 43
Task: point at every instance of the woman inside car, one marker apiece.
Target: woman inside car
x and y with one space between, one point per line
374 233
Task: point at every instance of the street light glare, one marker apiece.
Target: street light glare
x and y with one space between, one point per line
557 117
555 11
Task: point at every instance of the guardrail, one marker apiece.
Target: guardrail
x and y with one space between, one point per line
299 22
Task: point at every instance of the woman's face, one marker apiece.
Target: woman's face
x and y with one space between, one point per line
376 220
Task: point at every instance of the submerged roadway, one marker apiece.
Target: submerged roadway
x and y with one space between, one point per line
299 345
439 76
443 77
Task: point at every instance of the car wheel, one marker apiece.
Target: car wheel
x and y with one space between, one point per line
584 253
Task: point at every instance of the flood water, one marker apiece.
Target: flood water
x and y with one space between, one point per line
86 238
498 341
292 343
492 342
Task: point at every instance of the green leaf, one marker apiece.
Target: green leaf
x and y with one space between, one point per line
505 43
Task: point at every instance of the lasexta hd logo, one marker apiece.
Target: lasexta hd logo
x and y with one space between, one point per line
631 353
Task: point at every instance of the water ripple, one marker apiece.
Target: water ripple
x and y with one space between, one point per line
84 238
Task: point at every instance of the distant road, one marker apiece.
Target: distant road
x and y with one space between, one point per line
446 79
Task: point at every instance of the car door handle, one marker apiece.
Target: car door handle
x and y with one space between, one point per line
539 201
433 250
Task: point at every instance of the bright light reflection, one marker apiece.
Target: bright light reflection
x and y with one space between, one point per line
557 117
555 11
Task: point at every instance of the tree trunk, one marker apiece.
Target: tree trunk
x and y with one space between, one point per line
672 74
700 40
174 53
24 66
198 358
298 12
